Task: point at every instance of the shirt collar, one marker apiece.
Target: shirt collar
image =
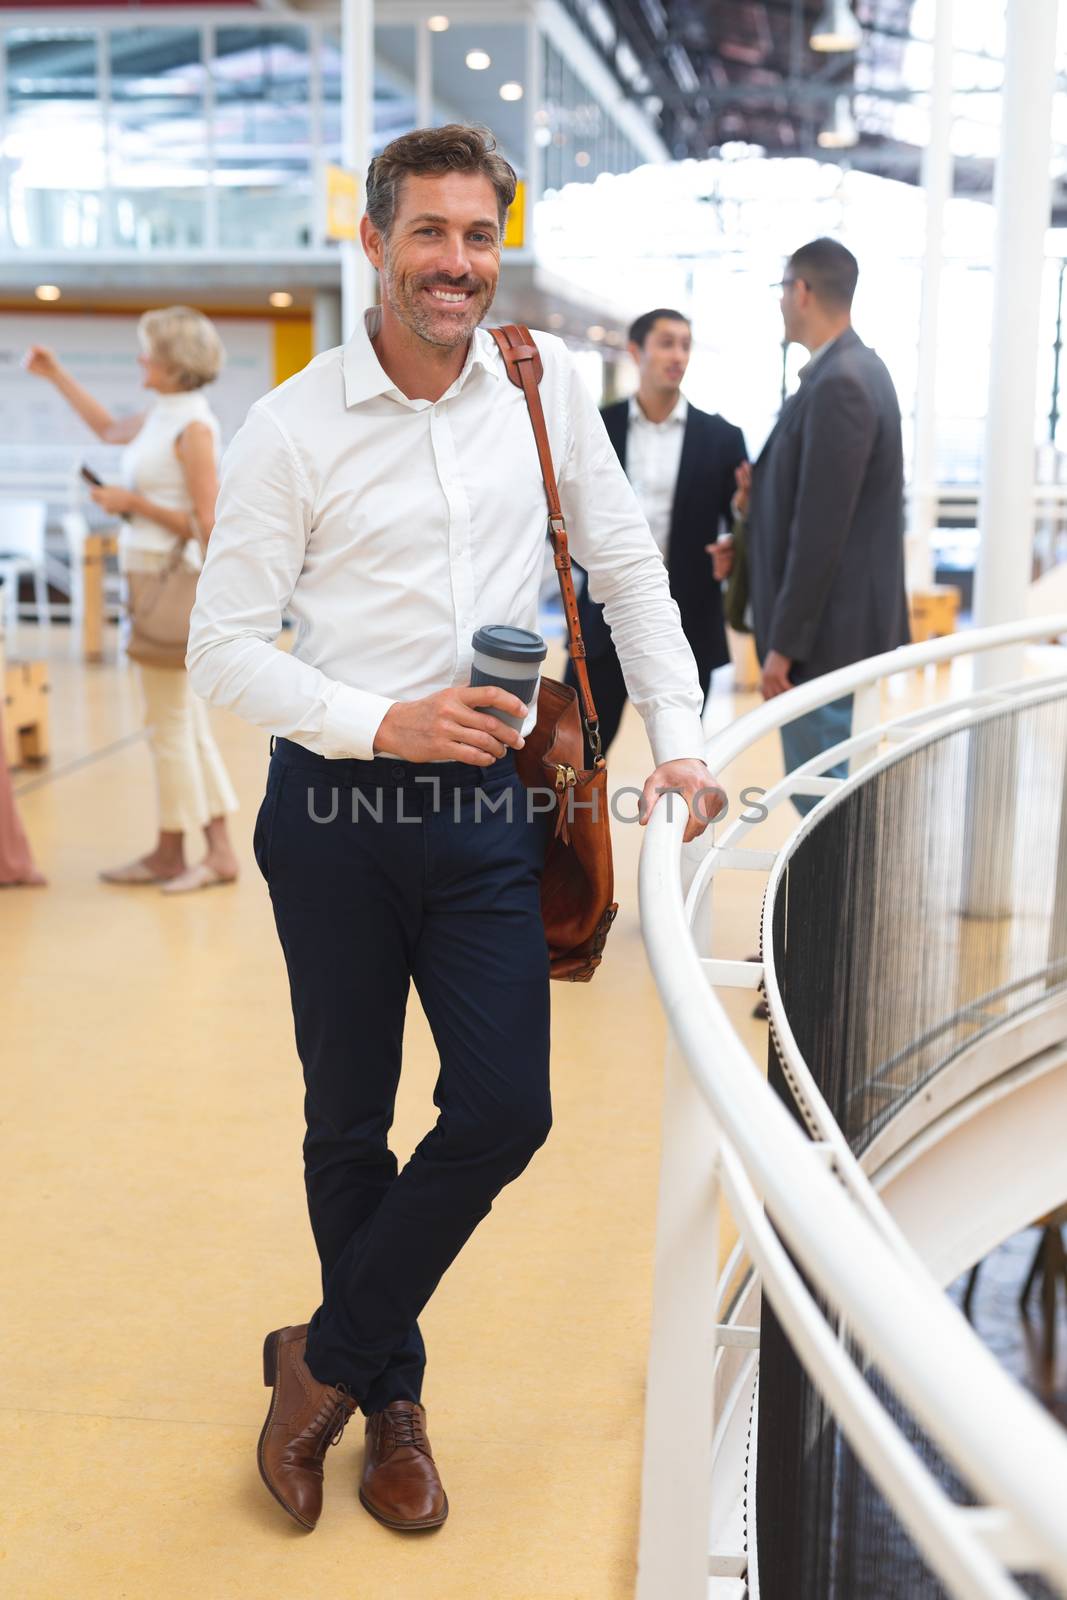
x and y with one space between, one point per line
817 355
365 377
677 415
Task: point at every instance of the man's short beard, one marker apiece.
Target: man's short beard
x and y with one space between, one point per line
421 321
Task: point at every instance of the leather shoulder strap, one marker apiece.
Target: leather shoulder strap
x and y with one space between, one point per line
522 359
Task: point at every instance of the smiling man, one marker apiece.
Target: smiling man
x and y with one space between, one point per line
389 498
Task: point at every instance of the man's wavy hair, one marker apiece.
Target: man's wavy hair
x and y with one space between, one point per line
430 153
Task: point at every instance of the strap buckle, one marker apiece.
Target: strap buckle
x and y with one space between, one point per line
592 728
556 525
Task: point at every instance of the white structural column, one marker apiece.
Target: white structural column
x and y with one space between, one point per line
423 74
1006 503
326 320
1022 200
357 115
937 182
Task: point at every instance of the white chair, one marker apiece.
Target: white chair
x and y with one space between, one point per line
23 554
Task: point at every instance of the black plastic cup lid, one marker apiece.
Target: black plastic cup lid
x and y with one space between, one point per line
510 644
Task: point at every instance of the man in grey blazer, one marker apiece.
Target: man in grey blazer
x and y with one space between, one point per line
826 511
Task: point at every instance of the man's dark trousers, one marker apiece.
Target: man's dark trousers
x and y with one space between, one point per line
443 890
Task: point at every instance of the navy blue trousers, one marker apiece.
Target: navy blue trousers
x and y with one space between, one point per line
384 873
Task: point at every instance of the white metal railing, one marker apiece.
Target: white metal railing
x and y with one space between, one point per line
727 1135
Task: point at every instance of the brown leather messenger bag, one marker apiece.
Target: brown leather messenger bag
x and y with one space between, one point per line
577 886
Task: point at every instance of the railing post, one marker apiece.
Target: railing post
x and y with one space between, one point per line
1057 942
679 1403
866 713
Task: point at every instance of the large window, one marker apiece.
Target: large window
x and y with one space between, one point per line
157 143
160 138
151 134
53 139
394 88
579 138
262 138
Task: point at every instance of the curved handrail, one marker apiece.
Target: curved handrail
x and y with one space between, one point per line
810 1099
823 1208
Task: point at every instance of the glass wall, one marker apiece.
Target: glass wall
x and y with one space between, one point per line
53 149
262 142
394 87
214 136
157 138
579 138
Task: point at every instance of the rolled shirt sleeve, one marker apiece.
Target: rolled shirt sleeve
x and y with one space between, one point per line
254 558
608 534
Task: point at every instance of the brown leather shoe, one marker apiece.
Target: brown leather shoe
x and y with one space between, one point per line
400 1484
304 1419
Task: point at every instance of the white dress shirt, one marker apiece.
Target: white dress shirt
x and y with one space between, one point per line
653 456
391 529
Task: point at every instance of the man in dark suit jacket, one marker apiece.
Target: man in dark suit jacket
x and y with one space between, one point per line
826 514
681 463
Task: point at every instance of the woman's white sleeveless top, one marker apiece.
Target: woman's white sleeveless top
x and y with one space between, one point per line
150 465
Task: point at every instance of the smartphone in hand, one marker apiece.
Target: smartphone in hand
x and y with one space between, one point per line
90 476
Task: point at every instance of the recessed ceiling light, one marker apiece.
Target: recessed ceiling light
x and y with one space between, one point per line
281 298
542 136
596 332
511 91
581 158
556 319
437 24
837 28
47 291
478 60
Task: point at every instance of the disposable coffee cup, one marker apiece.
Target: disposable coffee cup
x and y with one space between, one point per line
511 658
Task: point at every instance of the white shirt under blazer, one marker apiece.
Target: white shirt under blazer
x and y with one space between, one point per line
653 456
391 529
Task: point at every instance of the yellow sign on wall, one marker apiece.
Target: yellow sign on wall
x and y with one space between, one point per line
515 226
342 203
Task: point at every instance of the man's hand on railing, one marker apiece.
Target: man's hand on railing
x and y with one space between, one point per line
704 796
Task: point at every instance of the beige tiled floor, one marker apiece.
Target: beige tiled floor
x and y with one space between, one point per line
155 1229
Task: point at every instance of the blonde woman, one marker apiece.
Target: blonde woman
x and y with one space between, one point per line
170 481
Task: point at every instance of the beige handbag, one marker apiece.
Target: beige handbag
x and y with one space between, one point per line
160 605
